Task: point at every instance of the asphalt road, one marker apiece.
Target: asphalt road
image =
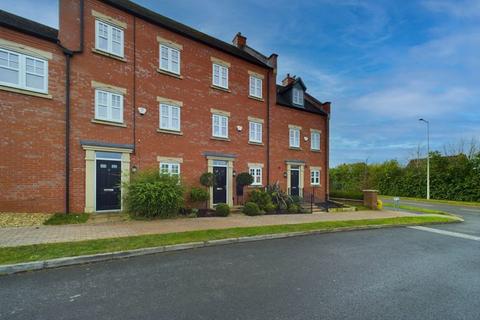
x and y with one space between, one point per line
399 273
471 215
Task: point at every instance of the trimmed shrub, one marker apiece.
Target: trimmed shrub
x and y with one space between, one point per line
251 209
270 208
199 194
293 208
207 179
222 210
150 195
261 198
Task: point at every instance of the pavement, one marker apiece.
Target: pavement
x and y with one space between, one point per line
399 273
470 214
11 237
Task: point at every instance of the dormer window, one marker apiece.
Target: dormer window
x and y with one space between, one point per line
297 97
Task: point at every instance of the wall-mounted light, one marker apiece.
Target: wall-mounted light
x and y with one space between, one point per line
305 138
142 110
285 174
234 173
239 128
134 169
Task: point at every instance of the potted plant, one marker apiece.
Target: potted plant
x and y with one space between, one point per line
243 179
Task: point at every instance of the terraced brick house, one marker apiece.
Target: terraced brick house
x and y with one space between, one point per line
119 88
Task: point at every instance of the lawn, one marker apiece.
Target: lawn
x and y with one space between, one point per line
71 218
417 209
451 202
11 255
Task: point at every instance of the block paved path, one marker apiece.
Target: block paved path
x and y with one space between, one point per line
11 237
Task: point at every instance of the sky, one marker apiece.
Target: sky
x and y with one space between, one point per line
382 64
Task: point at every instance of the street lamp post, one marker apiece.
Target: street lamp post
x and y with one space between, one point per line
428 156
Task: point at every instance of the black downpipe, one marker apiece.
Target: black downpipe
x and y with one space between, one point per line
68 56
268 127
134 82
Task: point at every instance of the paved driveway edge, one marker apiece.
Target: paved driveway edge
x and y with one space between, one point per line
70 261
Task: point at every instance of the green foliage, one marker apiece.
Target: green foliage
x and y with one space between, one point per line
294 208
261 198
347 194
199 194
244 179
222 210
451 178
71 218
251 209
207 179
270 208
280 198
150 194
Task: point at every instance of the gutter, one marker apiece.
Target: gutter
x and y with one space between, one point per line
268 127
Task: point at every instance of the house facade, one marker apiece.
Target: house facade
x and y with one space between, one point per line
119 88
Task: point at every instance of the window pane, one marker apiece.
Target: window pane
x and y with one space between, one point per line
3 58
9 76
102 111
116 114
34 81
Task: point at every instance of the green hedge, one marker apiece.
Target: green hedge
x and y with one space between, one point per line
347 195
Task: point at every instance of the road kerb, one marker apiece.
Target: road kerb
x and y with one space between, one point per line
78 260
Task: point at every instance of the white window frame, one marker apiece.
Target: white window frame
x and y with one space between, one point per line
219 117
297 96
221 68
110 28
22 72
255 129
170 125
256 172
109 106
294 137
315 142
170 64
170 166
255 86
315 177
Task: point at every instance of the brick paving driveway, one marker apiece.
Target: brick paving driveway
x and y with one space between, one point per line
11 237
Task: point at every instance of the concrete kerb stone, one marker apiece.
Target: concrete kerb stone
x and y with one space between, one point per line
70 261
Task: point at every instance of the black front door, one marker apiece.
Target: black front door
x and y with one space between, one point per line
294 183
108 185
220 187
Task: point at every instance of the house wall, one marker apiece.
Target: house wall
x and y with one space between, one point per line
32 127
36 135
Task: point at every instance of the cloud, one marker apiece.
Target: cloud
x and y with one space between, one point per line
457 8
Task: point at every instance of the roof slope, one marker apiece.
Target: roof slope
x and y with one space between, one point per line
182 29
33 28
311 104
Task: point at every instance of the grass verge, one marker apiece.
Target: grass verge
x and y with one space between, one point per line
450 202
28 253
62 218
418 209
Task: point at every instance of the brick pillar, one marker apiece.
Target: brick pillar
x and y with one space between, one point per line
370 198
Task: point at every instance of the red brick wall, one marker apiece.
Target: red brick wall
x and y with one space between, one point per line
39 182
280 118
32 132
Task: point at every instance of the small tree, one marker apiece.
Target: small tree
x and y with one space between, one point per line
198 195
207 180
243 179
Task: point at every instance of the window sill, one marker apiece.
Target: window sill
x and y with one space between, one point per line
220 88
220 138
315 185
295 148
178 133
260 144
256 98
315 150
168 73
255 186
109 123
110 55
26 92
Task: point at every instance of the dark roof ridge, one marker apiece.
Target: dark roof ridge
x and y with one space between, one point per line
12 21
183 29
